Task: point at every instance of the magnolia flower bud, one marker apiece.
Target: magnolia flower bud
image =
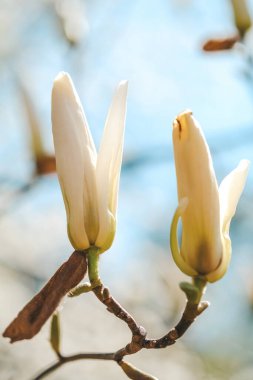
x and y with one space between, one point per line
89 181
205 209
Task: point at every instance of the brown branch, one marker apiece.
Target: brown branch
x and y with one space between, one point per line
66 359
191 312
103 294
32 317
138 342
138 332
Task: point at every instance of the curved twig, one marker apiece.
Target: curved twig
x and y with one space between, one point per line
66 359
138 341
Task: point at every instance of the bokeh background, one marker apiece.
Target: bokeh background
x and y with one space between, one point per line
157 46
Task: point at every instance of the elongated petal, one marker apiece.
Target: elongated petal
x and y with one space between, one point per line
201 238
76 161
230 191
175 250
109 166
219 272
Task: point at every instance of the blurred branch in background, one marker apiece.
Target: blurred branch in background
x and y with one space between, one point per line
243 23
19 25
44 163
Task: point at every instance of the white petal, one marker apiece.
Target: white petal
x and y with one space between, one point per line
75 160
109 164
230 191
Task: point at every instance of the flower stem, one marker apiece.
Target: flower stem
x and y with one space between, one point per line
200 284
93 268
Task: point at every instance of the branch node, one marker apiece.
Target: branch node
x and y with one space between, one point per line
173 334
202 306
106 294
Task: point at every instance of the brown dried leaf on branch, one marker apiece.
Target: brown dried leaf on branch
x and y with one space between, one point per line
33 316
219 44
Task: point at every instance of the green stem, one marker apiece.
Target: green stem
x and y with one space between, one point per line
93 267
200 283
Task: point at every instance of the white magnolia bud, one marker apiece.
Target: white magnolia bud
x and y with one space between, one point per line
205 209
89 181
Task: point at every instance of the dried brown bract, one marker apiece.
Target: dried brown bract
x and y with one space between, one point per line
219 44
33 316
45 165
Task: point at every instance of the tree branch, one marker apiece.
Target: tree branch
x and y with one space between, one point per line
138 332
191 312
66 359
138 341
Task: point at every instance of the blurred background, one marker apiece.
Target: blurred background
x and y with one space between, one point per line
158 46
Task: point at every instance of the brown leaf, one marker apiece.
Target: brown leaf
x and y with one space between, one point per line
220 43
33 316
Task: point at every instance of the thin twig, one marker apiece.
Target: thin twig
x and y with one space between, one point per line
138 341
190 313
103 294
66 359
138 332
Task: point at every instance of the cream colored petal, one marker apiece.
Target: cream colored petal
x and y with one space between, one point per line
109 165
201 240
76 161
175 250
230 191
218 273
